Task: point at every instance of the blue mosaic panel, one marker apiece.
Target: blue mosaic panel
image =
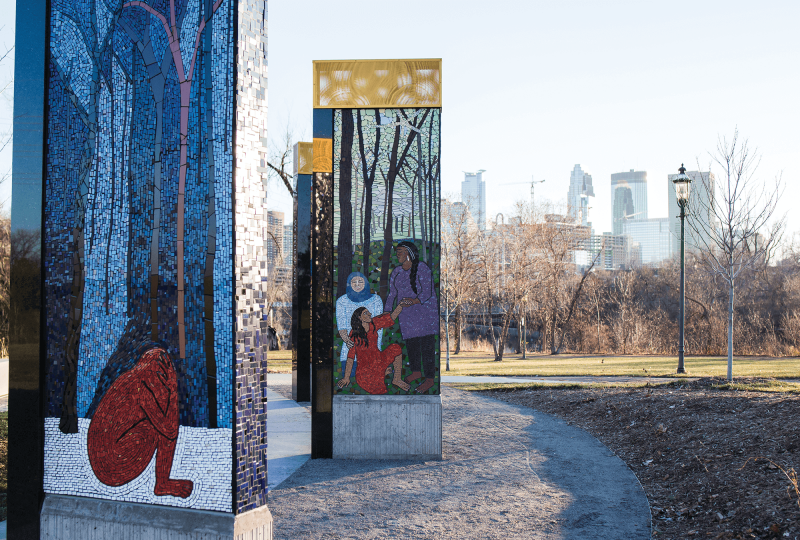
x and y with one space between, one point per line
139 246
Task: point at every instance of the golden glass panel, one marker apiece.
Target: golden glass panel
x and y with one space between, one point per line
304 158
355 84
323 155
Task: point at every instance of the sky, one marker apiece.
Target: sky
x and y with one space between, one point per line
531 88
6 99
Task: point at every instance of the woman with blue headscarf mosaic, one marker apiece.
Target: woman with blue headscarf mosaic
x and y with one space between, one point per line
358 295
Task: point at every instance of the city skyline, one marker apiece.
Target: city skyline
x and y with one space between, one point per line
650 107
523 107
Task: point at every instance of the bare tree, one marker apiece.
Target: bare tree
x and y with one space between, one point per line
173 32
281 157
458 263
278 291
745 229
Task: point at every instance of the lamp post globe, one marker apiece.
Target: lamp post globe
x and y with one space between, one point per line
682 188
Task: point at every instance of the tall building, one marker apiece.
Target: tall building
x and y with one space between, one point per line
473 194
701 199
609 250
580 189
288 245
628 198
273 240
650 239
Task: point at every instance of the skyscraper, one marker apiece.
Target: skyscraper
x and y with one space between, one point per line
701 199
273 240
473 194
651 237
628 198
580 189
288 249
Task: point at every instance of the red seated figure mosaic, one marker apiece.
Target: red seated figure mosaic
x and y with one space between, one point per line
137 417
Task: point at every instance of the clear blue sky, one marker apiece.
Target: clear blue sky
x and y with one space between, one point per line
532 88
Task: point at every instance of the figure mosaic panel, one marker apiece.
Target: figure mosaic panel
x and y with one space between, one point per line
139 249
386 256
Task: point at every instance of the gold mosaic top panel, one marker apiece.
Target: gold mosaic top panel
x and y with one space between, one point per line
356 84
323 155
303 158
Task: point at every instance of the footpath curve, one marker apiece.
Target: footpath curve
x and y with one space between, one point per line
507 472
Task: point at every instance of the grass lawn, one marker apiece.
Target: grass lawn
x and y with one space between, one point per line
545 365
562 365
279 361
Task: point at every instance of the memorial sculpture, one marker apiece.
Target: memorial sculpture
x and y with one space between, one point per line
375 247
154 350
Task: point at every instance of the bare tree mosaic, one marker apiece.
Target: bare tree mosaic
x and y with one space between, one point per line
387 248
155 364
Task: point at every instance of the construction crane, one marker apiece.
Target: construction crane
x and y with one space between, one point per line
532 183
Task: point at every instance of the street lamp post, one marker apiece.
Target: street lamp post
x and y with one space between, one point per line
682 185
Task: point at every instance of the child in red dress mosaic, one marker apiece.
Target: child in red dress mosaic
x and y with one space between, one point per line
373 364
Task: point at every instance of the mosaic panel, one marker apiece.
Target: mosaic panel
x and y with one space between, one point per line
250 431
143 264
386 198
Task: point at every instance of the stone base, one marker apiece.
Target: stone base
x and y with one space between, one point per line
387 427
81 518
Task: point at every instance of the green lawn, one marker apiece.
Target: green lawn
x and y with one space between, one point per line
544 365
279 361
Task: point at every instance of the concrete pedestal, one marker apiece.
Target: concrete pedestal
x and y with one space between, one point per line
387 427
81 518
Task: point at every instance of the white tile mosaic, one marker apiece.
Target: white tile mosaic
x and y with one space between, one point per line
202 455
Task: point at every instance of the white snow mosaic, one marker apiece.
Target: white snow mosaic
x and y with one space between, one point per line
202 455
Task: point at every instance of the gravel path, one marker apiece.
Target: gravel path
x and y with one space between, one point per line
508 472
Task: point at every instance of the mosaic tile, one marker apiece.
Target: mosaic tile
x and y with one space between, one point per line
153 220
386 195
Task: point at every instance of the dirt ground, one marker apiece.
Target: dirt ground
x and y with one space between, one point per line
714 464
507 472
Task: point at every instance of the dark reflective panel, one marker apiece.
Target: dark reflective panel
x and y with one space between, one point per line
26 434
323 316
301 292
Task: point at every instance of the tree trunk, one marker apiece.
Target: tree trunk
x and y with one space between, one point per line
369 179
501 347
458 330
730 331
396 163
345 241
598 326
69 417
387 228
420 200
447 339
572 306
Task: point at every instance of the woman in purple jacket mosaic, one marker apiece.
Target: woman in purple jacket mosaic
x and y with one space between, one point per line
411 286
